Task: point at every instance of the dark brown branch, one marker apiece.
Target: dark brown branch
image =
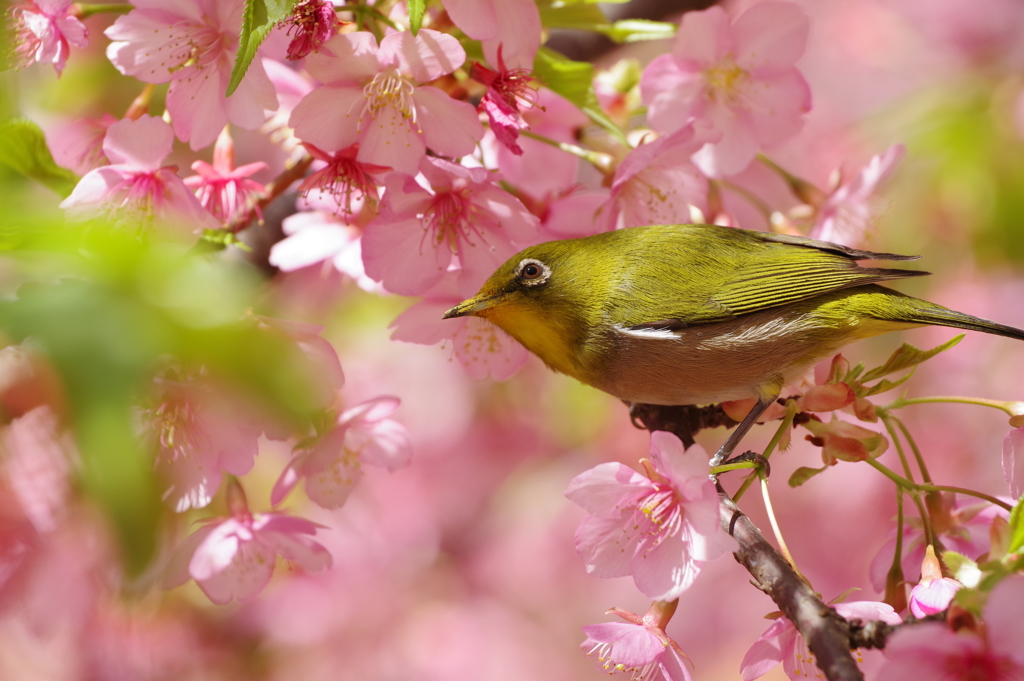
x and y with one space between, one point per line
829 637
276 187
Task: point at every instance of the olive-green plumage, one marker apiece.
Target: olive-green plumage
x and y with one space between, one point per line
697 314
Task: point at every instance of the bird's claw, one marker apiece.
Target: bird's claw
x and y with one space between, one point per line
754 457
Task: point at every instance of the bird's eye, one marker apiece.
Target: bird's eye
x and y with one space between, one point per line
532 272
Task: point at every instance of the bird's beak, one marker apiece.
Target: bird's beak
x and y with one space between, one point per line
473 306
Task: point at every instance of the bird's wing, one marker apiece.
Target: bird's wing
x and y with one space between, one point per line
730 272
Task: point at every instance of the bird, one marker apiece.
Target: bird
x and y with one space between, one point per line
699 314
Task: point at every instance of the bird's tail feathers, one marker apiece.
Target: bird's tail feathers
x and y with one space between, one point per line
945 317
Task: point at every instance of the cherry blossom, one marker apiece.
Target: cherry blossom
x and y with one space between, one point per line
961 525
135 186
781 642
639 646
322 369
198 435
933 593
233 558
192 45
657 183
931 652
464 215
331 465
39 456
313 22
661 528
79 145
322 236
291 86
44 31
510 28
343 176
507 91
480 347
846 215
224 190
740 77
372 96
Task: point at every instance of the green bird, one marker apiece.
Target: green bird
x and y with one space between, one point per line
699 314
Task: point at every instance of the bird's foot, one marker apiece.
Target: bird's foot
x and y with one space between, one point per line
752 457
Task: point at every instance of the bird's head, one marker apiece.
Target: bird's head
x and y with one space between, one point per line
539 297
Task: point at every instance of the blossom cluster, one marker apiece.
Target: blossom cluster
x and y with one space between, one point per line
410 149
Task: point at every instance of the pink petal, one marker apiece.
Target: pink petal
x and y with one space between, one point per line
663 567
421 323
288 479
770 33
702 39
609 489
308 554
933 597
477 18
450 127
400 255
868 610
195 100
254 95
632 645
686 469
385 444
576 215
485 350
671 94
244 577
141 144
219 549
1013 460
767 652
370 411
345 59
1002 615
736 149
776 105
606 546
309 245
390 139
329 117
427 56
87 198
139 40
518 36
176 573
331 487
519 224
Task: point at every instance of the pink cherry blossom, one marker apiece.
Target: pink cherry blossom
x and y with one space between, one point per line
322 236
198 435
291 86
931 652
1013 461
740 77
135 186
192 45
332 464
234 557
511 27
480 347
961 525
638 646
464 215
657 183
781 642
313 23
573 213
372 96
933 593
224 190
507 91
846 215
343 176
79 145
44 31
661 528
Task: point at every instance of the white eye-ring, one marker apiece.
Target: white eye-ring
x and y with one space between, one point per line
532 272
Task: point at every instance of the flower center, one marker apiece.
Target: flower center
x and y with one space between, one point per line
604 656
725 79
662 510
140 195
449 219
389 89
192 44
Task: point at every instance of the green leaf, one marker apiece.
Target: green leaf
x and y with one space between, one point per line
803 474
886 385
579 16
907 356
416 9
259 18
1017 527
635 30
574 80
23 148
